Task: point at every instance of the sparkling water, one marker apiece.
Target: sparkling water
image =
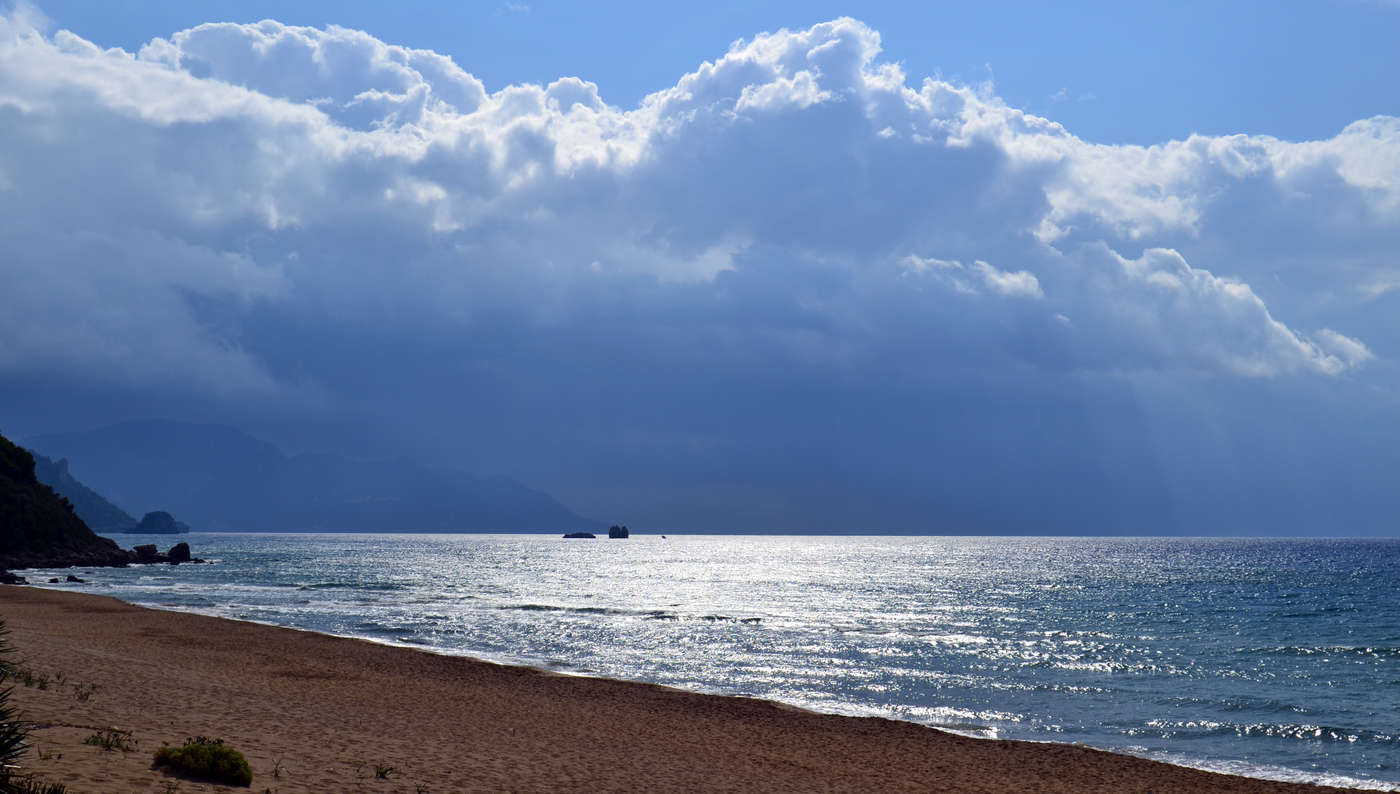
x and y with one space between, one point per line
1270 658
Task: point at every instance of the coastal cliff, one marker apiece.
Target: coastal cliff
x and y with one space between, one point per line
38 528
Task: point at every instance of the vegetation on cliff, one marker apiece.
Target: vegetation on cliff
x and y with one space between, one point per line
38 528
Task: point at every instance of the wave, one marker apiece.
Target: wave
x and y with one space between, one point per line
375 586
647 614
1302 731
1376 651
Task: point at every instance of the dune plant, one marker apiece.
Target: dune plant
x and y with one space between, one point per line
31 785
12 731
112 739
207 759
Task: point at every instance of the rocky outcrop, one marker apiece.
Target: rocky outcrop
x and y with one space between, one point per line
179 553
159 522
616 531
148 554
580 535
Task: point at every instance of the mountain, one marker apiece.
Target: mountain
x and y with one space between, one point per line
99 514
38 528
219 478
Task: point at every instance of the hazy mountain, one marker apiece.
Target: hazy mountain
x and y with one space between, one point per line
219 478
95 511
38 528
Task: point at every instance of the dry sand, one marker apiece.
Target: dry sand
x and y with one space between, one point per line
317 714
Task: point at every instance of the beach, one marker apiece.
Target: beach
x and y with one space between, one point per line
315 713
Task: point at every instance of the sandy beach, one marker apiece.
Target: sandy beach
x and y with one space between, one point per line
314 713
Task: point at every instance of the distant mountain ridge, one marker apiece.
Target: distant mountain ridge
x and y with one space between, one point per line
218 478
95 511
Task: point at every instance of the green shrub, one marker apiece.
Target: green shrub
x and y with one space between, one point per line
207 759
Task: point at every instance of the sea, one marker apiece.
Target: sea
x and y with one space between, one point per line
1276 659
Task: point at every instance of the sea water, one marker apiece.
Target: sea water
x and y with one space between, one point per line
1270 658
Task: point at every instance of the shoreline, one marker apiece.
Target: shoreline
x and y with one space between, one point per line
1228 767
316 712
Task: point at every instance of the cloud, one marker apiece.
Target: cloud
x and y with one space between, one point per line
268 210
801 141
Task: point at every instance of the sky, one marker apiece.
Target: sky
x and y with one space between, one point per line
1091 269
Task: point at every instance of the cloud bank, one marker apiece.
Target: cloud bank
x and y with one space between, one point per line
272 214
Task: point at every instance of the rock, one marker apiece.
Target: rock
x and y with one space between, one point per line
179 553
617 532
8 578
161 522
53 580
73 578
580 535
146 554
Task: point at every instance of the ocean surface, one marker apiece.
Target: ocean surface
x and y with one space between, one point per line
1269 658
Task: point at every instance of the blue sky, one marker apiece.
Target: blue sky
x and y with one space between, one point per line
759 267
1112 72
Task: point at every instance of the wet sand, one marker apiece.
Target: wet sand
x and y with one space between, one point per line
314 713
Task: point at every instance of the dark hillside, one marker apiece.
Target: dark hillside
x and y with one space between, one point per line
38 528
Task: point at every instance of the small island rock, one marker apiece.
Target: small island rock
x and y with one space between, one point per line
580 535
161 522
617 532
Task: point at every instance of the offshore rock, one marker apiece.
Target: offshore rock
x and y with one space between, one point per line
616 531
179 553
580 535
161 522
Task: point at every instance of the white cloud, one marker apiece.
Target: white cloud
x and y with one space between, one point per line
1022 283
233 173
1345 349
